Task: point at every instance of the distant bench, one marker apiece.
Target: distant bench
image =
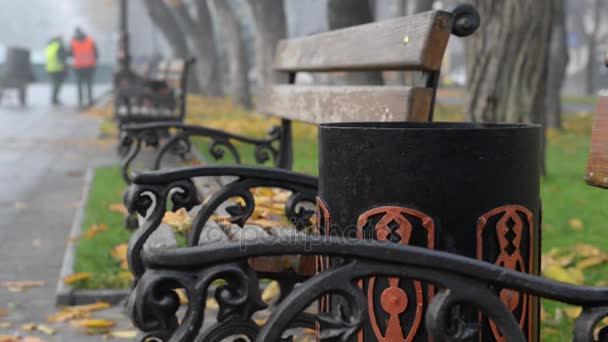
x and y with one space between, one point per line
158 94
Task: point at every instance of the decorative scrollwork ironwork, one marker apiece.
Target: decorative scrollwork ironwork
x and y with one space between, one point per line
151 203
154 303
304 189
461 282
149 194
180 143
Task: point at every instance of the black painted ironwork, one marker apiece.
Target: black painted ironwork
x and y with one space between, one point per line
461 283
150 193
175 138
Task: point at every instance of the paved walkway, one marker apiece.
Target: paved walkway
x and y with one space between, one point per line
45 152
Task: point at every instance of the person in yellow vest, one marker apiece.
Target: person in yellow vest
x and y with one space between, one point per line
56 67
84 60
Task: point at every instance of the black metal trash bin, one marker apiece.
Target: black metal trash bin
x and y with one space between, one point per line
468 189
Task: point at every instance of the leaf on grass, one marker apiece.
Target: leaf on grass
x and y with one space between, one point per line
586 250
590 262
573 312
119 253
118 208
93 323
576 224
71 279
567 275
94 230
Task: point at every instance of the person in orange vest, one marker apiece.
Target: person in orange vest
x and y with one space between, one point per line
84 60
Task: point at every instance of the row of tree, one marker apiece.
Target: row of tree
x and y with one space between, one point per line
188 27
516 63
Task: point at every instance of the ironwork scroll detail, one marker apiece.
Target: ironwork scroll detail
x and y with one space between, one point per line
175 138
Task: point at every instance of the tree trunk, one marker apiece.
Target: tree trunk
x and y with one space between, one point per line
271 26
341 14
161 16
238 65
592 40
558 62
508 61
200 32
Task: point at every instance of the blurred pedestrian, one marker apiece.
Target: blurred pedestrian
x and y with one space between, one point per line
84 60
56 66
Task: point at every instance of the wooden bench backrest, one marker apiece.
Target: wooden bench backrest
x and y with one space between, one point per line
597 168
413 43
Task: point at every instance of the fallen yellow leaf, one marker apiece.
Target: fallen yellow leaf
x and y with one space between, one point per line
119 252
590 262
567 275
573 312
94 230
4 338
22 284
183 298
45 329
271 292
211 303
76 277
179 220
118 208
32 339
78 311
3 312
93 323
576 224
586 250
28 327
126 334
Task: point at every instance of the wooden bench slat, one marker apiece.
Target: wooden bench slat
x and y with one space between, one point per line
381 45
327 104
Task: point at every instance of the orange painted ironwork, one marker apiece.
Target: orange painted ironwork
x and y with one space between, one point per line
394 300
510 231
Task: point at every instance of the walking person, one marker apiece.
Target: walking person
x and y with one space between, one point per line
56 67
84 60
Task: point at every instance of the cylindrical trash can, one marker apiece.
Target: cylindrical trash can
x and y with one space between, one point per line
468 189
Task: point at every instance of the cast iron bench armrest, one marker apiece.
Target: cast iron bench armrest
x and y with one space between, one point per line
150 193
459 280
135 135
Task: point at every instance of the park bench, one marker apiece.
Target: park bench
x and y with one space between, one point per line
418 50
155 91
415 43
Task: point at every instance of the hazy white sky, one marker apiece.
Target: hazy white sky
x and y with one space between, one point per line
31 23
